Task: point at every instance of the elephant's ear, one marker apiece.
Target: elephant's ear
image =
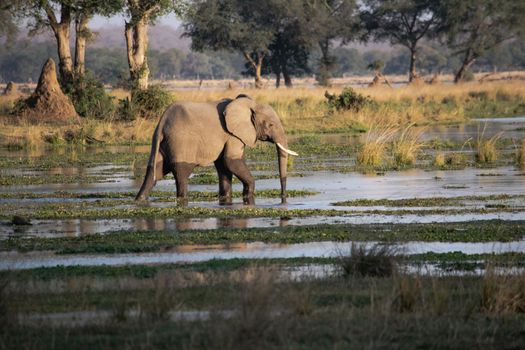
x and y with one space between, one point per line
238 118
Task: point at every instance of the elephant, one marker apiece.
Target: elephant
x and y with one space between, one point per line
191 134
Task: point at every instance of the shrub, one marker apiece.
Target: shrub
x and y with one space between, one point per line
149 103
479 95
505 96
362 261
90 98
349 99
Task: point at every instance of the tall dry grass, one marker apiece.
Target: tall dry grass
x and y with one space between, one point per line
503 293
407 145
486 148
304 110
373 151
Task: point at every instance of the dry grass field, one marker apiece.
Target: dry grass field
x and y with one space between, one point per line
303 109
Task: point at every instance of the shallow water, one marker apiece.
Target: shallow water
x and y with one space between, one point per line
82 227
255 250
332 187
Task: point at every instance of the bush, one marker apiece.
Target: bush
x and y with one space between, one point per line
363 261
149 103
349 99
90 98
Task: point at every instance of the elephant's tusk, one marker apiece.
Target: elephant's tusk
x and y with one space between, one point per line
286 150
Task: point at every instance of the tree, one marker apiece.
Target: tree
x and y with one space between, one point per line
58 15
472 27
402 22
140 14
433 59
166 64
349 60
235 25
8 20
330 19
289 49
84 10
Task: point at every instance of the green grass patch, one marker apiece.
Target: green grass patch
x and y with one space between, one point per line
428 202
149 241
160 195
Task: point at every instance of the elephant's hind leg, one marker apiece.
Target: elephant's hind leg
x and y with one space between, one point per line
225 182
181 172
239 168
149 180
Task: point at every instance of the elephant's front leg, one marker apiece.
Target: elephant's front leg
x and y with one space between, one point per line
239 168
225 182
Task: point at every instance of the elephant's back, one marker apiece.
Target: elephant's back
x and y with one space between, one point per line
194 132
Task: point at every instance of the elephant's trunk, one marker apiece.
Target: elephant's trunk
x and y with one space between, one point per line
282 154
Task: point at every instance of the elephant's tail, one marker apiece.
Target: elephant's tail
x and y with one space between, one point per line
155 147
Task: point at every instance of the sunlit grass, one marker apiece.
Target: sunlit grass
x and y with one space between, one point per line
486 148
407 145
304 110
373 152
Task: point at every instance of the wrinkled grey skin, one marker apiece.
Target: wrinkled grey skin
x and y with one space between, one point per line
193 134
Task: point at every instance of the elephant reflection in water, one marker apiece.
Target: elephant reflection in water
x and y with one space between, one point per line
191 134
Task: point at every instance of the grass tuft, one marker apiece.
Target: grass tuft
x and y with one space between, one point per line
486 150
407 146
406 294
503 293
373 152
362 261
521 155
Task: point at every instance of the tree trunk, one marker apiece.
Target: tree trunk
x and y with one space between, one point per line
277 79
412 75
82 34
326 64
65 63
287 78
258 80
136 33
467 62
61 31
256 65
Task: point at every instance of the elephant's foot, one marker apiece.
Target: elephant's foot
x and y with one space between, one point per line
225 200
249 200
182 201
